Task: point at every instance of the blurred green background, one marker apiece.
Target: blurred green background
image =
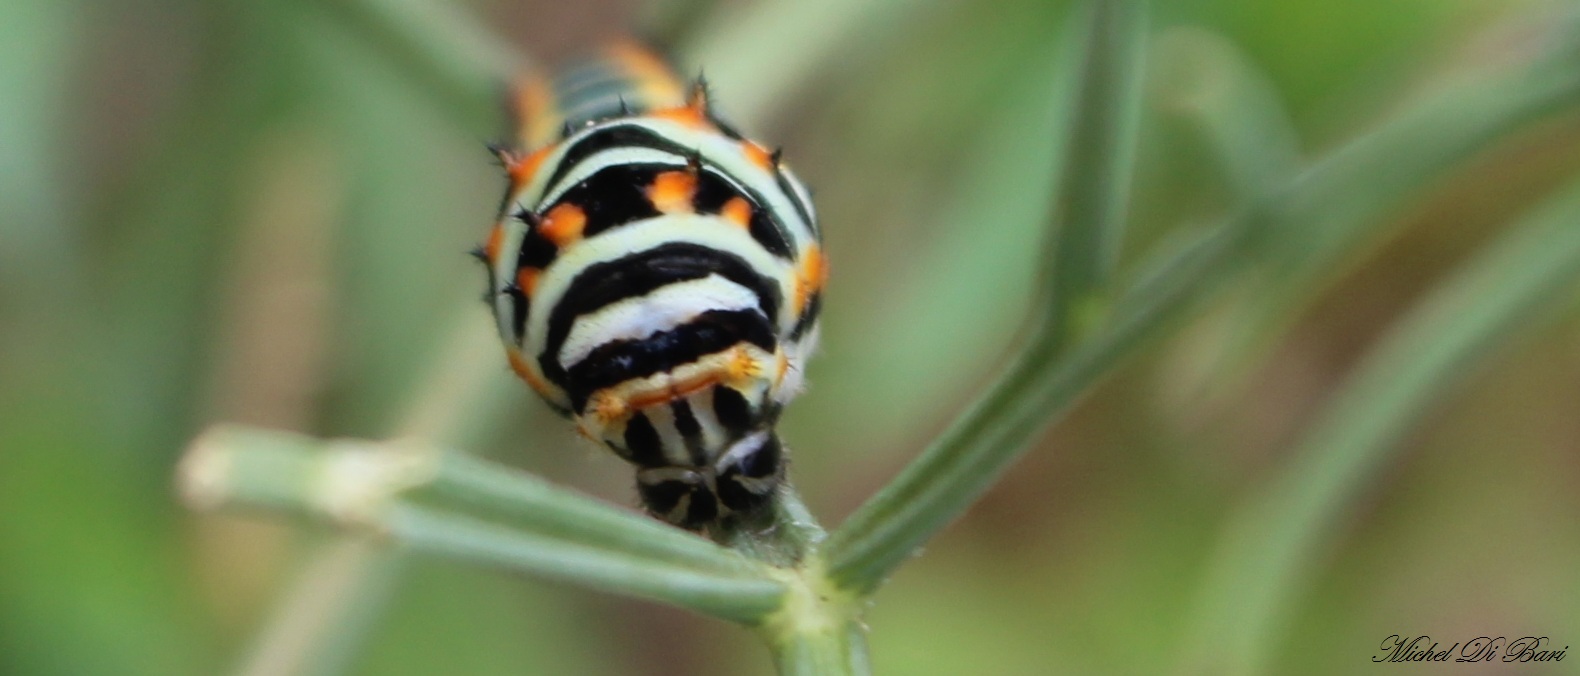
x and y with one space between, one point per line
244 212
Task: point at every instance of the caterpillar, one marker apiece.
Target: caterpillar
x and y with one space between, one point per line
656 277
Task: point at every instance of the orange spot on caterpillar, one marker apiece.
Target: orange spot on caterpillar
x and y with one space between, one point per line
672 192
735 367
524 371
758 155
563 224
737 211
686 116
741 369
527 280
608 407
817 264
811 275
521 169
676 390
496 239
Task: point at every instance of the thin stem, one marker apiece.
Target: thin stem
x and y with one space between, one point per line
840 650
1094 187
740 598
968 458
480 488
817 631
1088 217
783 537
416 496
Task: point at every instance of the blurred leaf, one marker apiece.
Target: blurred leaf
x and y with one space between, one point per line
449 619
949 307
745 51
1232 105
1270 543
1091 200
1318 51
931 272
421 193
1410 149
37 42
160 243
321 626
1339 207
91 577
459 65
969 456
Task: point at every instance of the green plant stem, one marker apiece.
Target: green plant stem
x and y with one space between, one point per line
475 487
1032 393
839 650
1518 280
447 503
739 598
784 537
818 630
1089 213
1090 201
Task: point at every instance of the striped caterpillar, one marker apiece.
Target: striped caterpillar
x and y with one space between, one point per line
656 277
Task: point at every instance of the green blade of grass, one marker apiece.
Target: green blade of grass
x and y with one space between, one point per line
1516 281
958 467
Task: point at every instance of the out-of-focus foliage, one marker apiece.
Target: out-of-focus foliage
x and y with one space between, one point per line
234 211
